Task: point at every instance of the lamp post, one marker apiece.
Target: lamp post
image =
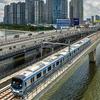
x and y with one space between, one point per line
42 43
5 36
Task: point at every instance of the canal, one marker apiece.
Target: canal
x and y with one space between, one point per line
83 84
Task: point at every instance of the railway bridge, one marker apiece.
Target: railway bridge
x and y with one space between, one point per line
66 69
46 84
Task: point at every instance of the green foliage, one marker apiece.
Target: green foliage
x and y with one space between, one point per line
25 27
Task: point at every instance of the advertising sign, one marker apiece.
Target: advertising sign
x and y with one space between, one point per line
76 21
62 23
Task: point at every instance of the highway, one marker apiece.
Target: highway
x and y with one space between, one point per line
22 43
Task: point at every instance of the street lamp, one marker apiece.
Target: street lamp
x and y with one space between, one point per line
5 36
42 45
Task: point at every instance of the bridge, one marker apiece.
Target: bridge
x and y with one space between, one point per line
21 45
44 86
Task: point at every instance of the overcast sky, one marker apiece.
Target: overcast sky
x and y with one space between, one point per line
91 7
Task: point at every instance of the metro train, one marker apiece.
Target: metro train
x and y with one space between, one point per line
21 83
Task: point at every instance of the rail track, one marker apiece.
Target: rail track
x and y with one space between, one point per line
6 94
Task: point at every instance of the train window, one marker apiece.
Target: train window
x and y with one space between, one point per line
57 63
0 49
70 54
39 75
31 80
78 49
74 51
10 48
53 65
14 46
49 68
44 72
25 84
63 59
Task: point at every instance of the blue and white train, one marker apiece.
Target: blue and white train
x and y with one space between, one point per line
38 71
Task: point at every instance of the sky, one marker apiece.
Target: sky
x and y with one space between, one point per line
91 7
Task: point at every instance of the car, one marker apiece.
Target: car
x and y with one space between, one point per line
30 34
41 33
16 36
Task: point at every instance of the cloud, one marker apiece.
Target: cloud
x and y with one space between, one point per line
91 7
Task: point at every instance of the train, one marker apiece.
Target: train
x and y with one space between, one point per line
22 82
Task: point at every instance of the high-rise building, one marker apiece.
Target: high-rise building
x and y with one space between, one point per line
20 13
13 13
56 9
49 11
29 11
92 19
76 10
96 17
38 11
6 14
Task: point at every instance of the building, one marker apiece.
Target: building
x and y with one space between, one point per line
39 11
29 11
13 13
6 14
96 17
56 9
76 11
49 11
92 19
20 13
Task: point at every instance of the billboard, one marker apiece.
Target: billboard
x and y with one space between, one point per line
76 21
62 23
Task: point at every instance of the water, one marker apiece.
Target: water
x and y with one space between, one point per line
84 84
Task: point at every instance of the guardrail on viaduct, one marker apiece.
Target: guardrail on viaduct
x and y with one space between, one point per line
43 87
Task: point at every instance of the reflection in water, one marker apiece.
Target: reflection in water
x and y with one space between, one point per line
93 68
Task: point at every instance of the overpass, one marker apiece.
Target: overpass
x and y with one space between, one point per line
44 86
22 45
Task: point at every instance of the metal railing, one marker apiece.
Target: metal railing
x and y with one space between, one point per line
48 82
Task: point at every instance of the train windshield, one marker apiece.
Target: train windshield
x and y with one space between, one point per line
16 83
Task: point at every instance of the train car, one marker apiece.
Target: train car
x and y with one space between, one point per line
21 83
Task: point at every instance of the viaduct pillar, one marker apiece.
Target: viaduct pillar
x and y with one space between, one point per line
92 56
